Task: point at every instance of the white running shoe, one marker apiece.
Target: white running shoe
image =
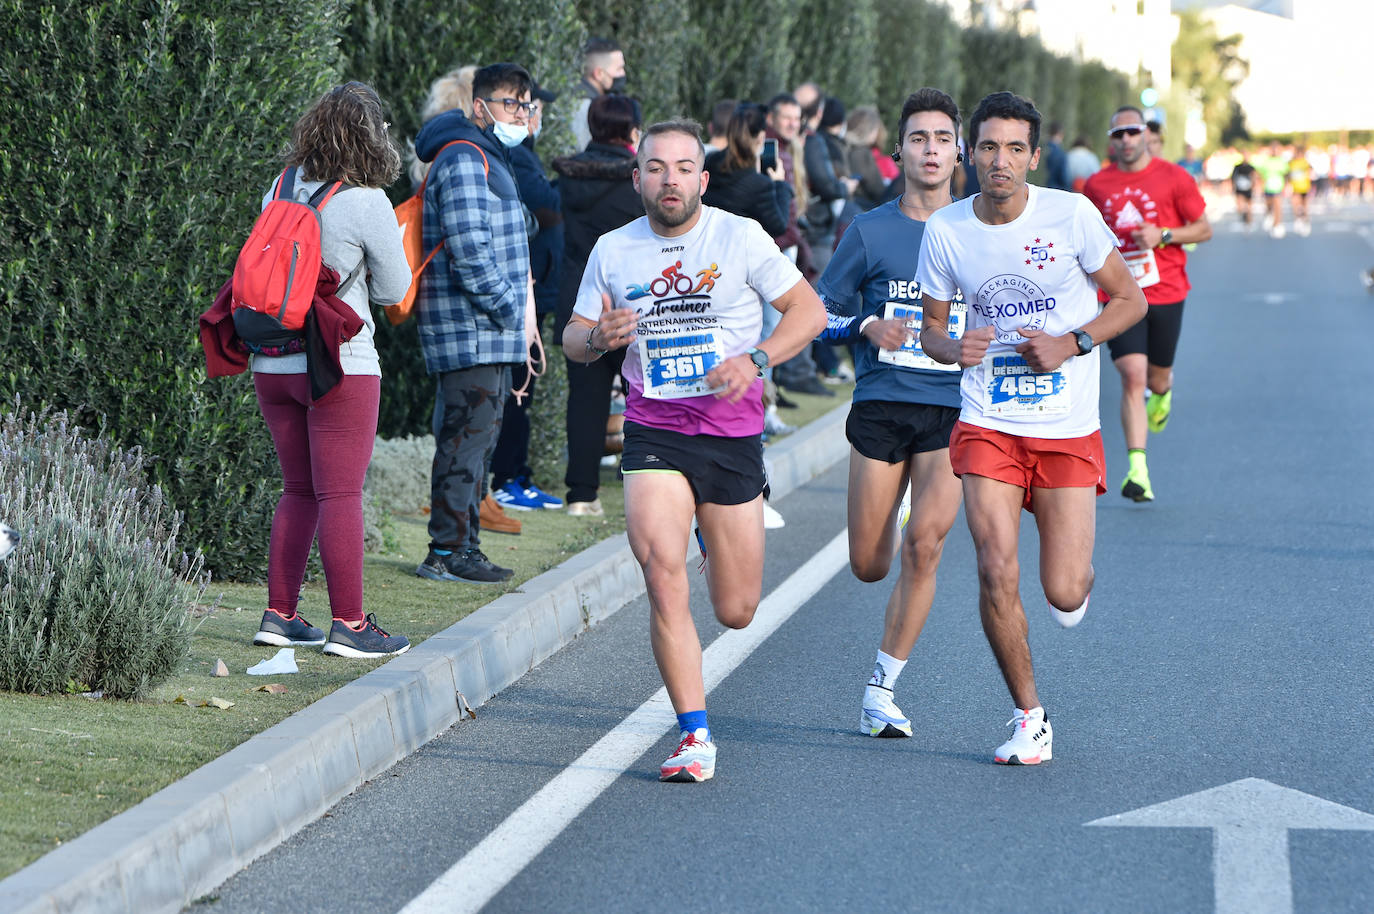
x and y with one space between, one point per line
694 760
904 512
881 716
772 520
1278 231
1031 743
1069 619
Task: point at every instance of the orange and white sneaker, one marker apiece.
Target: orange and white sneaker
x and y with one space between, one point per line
694 760
1032 740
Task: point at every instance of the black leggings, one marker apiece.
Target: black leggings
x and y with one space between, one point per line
589 406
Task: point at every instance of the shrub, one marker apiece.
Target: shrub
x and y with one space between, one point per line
136 140
98 594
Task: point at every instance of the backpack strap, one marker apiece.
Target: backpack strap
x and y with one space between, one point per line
286 184
486 165
357 271
326 191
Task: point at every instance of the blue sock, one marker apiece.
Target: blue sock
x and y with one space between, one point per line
693 721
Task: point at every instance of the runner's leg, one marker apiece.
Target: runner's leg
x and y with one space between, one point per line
875 492
1067 521
734 571
993 509
658 522
1133 371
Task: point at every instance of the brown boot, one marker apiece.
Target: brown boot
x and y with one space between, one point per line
495 518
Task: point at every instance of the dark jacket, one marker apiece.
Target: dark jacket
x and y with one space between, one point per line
546 245
872 185
471 303
598 194
746 192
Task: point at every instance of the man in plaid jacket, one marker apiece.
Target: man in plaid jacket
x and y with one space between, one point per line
471 305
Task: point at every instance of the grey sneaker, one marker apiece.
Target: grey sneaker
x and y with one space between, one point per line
370 641
277 631
471 566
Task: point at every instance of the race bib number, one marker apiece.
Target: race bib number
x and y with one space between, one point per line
1015 389
1143 267
676 366
910 355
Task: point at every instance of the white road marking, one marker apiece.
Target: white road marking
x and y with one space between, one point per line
500 856
1250 819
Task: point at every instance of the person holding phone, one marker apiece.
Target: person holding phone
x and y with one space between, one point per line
746 177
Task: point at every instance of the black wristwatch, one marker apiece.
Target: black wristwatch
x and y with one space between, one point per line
1166 237
760 360
1085 342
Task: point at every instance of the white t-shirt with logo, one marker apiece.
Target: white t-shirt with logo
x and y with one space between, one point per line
700 299
1032 272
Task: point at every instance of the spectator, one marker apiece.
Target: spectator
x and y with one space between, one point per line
597 187
451 91
1154 136
471 305
511 485
720 120
603 71
1082 163
323 446
736 185
827 173
1056 159
865 134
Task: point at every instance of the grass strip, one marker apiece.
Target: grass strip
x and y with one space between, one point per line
75 762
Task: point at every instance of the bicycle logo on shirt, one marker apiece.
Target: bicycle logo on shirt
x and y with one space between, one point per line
673 281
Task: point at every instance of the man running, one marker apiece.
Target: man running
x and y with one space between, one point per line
905 403
1029 261
1155 208
681 288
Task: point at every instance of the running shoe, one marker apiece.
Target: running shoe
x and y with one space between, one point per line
904 512
370 641
1157 409
514 497
694 759
772 520
880 716
1072 618
1136 485
1032 740
278 631
544 498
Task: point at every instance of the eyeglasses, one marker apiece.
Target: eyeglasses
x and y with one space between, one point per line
512 105
1117 133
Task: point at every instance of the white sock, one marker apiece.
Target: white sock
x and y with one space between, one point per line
886 671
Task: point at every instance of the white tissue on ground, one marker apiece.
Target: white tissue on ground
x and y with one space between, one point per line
283 661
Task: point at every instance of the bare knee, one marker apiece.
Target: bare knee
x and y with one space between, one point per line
736 613
922 553
868 569
999 578
1067 592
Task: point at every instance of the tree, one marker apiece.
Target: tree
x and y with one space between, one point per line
1209 68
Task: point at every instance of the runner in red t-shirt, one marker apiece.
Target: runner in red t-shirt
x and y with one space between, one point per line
1154 208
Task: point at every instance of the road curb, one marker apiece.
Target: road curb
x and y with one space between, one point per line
191 836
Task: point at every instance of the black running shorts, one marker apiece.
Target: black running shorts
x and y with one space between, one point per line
721 471
1155 336
892 432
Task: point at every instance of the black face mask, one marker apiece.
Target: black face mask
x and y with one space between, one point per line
617 86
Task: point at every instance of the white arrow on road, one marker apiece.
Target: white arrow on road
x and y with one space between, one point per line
1250 819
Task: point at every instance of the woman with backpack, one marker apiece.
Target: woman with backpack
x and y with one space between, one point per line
324 445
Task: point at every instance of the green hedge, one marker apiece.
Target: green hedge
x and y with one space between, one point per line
136 139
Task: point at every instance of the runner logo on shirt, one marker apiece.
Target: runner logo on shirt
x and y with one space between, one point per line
1127 210
1010 302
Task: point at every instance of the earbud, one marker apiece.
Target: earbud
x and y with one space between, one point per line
959 159
897 154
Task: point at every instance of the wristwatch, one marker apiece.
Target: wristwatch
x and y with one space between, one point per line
1166 237
760 360
1085 342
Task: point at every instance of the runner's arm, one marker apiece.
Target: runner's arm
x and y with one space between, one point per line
585 341
936 342
1149 236
803 318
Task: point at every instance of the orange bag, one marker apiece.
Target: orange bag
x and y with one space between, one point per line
410 217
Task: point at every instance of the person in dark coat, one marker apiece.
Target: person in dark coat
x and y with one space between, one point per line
598 194
736 184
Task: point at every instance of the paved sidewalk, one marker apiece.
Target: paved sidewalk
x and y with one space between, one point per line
186 839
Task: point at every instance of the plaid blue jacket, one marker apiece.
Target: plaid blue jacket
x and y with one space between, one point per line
471 303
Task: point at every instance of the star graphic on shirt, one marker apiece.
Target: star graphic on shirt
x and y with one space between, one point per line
1037 241
1051 259
1051 244
1040 266
1027 261
1028 247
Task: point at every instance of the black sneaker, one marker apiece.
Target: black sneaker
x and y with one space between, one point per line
371 641
294 632
471 566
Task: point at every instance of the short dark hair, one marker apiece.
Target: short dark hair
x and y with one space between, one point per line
720 116
683 125
596 45
927 99
1155 127
782 98
1008 106
610 118
1125 108
501 76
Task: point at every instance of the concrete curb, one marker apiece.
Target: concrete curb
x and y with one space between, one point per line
191 836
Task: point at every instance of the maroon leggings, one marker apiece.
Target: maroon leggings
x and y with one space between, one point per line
323 451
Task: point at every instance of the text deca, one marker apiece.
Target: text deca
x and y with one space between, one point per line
903 288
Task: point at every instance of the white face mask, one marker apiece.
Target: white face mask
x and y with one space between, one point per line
510 135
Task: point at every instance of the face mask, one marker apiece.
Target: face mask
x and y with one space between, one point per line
510 134
617 86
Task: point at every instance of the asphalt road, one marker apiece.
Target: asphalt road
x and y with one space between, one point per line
1228 639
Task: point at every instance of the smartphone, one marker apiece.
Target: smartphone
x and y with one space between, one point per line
769 159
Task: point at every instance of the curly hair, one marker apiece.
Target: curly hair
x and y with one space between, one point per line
343 137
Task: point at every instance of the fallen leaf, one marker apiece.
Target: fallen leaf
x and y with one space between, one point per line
220 669
216 703
276 688
179 700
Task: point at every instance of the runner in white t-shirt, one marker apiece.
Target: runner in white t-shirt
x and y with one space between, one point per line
682 288
1029 261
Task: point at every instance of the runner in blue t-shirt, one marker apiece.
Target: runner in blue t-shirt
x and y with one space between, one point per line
905 403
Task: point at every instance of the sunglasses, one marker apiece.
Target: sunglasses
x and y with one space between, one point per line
1117 133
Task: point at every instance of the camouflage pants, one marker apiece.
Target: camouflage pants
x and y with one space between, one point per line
471 401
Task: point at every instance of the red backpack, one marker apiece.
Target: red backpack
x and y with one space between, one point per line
278 268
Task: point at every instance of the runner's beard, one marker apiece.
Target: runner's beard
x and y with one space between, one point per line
673 220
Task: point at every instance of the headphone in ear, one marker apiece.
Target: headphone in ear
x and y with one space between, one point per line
897 154
959 159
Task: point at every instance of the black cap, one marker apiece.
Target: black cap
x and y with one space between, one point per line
539 93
